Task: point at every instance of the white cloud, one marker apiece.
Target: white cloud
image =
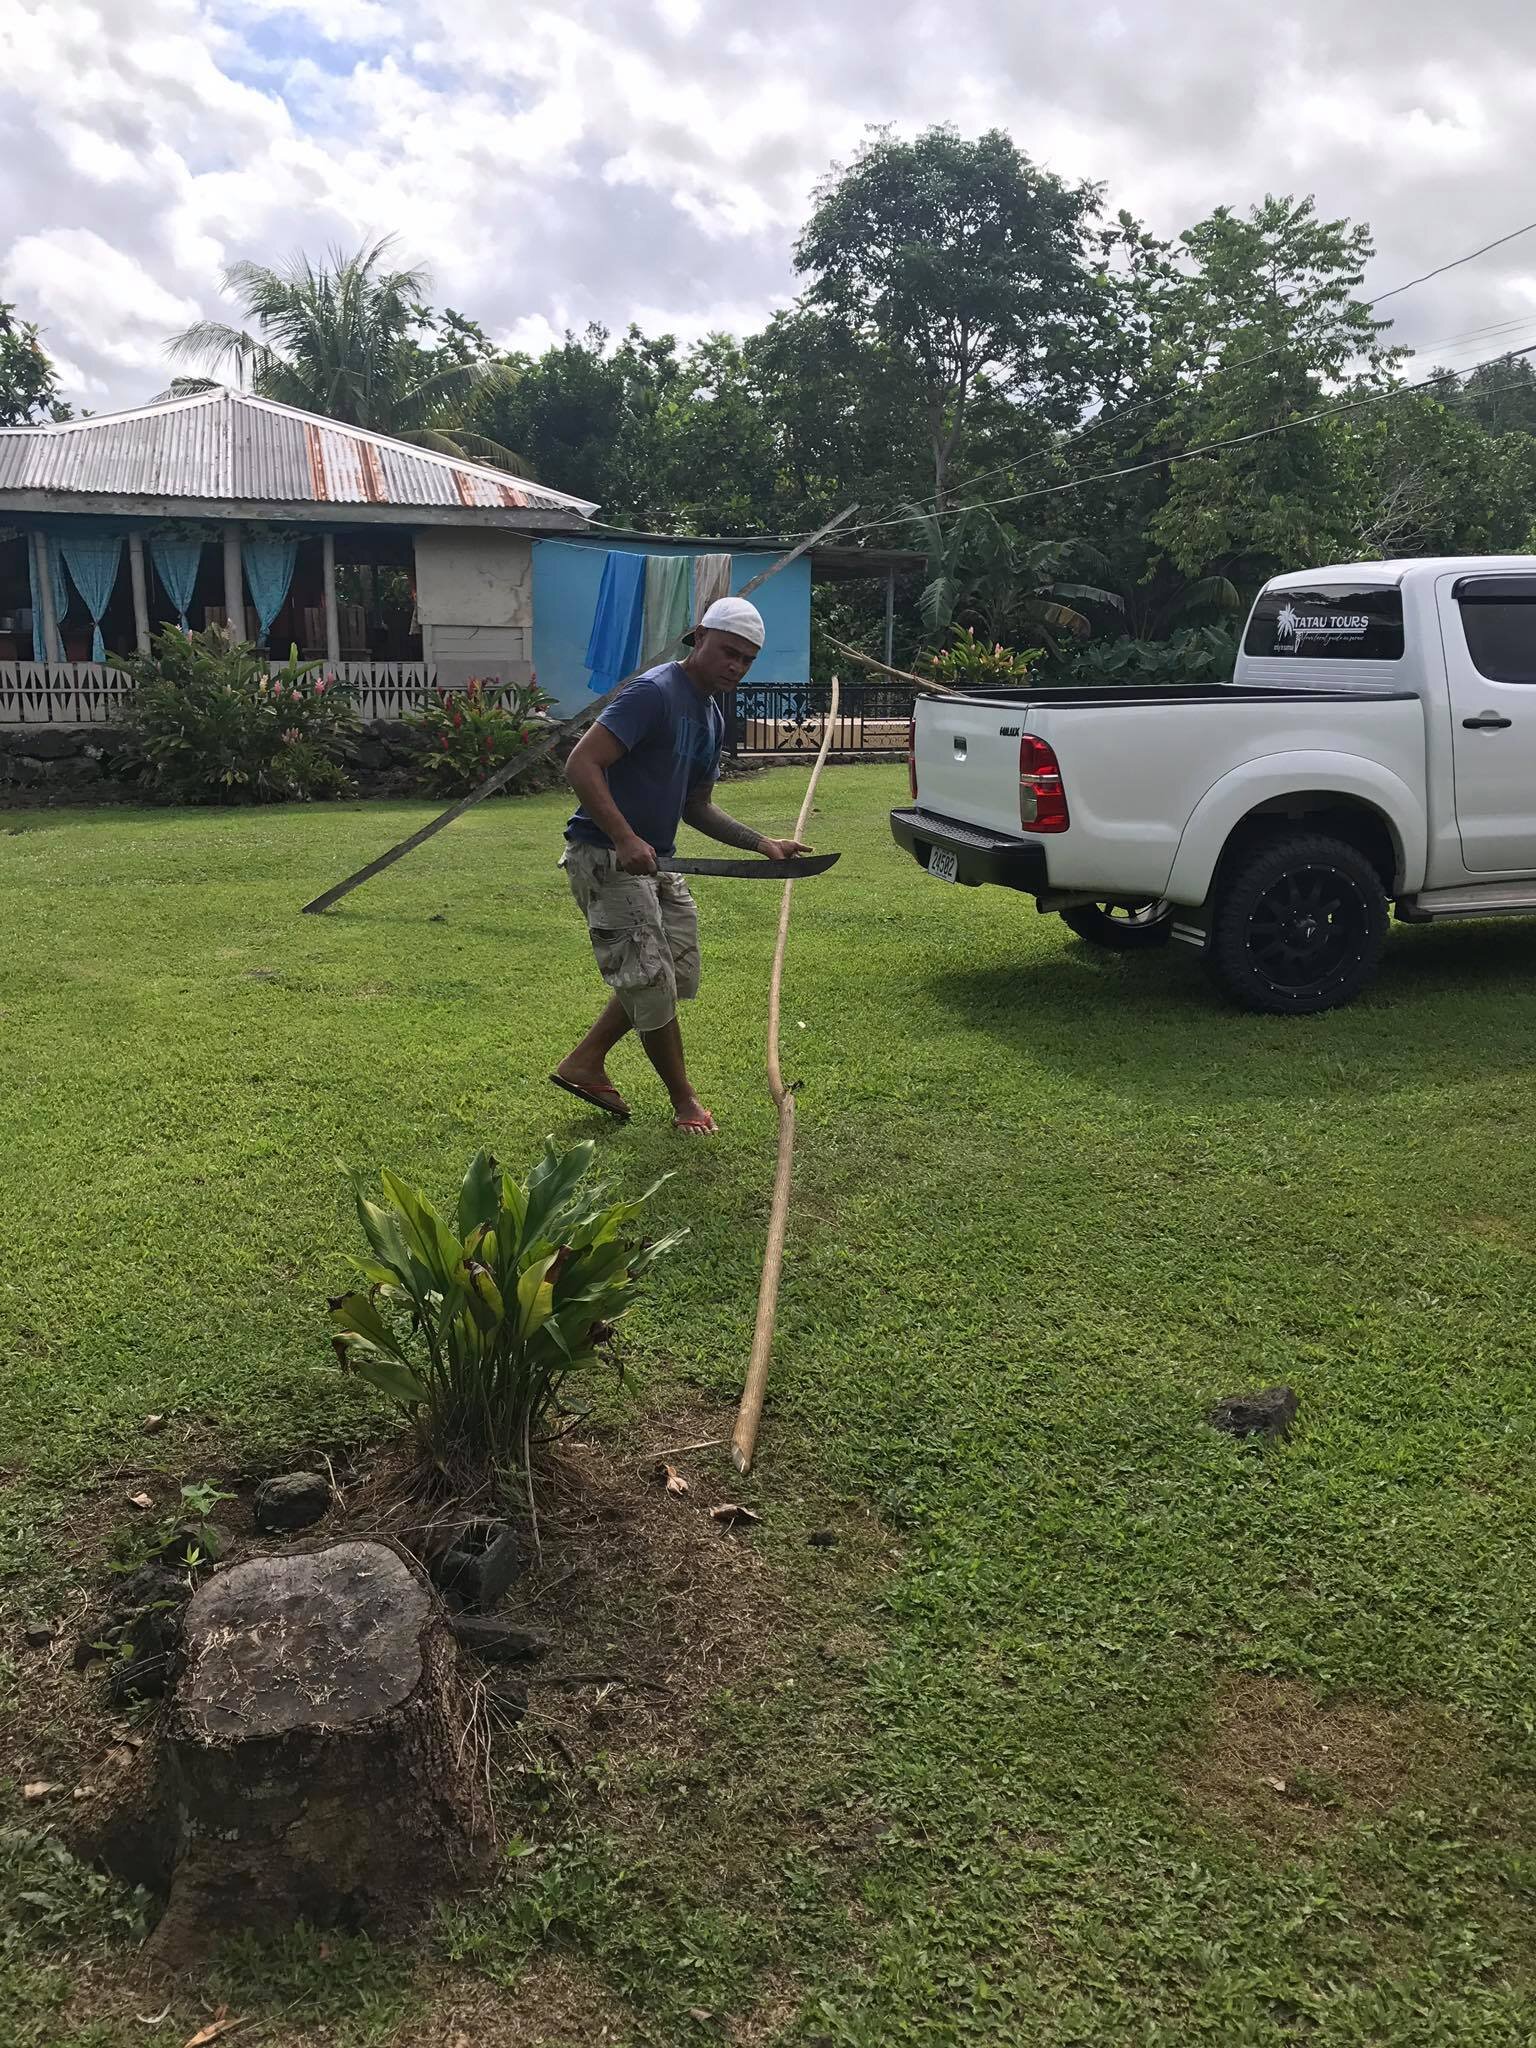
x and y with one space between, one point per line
567 160
81 284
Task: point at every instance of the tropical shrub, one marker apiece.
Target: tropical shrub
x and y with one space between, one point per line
971 664
470 733
475 1323
1198 654
207 723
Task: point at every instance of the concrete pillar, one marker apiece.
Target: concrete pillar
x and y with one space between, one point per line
140 590
332 616
53 645
234 585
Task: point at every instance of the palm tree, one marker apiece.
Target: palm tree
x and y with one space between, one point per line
340 338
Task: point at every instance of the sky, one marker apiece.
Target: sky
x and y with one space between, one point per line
652 160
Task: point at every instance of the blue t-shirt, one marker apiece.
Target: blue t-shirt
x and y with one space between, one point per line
673 735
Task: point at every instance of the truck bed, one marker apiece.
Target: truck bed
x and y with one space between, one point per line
1135 762
1150 697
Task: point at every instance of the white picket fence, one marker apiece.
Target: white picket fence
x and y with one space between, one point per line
91 693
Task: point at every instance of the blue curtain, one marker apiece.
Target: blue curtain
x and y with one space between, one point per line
40 648
613 647
268 572
176 561
93 560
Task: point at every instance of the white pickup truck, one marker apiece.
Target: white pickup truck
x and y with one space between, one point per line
1376 747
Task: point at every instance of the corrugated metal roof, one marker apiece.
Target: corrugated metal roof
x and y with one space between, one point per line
231 447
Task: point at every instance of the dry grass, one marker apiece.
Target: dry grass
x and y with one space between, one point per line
1289 1770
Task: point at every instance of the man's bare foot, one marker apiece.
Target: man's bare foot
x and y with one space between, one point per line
590 1086
693 1118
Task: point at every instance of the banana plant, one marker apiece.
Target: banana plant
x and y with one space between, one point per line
474 1322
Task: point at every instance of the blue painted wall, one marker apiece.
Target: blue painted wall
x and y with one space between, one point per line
566 576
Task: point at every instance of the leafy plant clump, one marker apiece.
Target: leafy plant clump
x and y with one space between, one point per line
207 723
472 732
475 1324
970 663
1197 654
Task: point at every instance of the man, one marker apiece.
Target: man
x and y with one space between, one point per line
650 760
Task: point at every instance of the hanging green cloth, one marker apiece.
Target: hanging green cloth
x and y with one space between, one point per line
668 602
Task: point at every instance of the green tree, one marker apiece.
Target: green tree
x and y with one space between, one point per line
1430 479
344 338
1500 396
967 262
1257 326
29 385
595 418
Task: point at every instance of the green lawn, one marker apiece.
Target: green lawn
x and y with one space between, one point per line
1049 1205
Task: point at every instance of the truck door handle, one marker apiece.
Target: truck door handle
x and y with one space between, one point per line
1487 721
959 739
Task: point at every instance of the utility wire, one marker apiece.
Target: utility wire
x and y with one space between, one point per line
1455 264
1120 412
1186 454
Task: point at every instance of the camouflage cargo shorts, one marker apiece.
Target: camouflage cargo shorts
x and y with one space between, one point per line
644 931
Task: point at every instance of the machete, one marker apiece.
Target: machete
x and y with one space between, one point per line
754 870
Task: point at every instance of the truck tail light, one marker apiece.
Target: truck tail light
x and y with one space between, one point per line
1042 800
912 755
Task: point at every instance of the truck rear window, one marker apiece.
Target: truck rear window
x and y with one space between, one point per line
1329 622
1498 616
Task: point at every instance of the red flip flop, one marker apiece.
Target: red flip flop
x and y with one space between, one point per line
697 1126
612 1104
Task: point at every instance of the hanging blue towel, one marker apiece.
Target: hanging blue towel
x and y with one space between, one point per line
613 648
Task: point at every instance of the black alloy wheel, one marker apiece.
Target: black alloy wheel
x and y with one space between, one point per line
1299 926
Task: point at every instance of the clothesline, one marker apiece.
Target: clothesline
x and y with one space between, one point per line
645 604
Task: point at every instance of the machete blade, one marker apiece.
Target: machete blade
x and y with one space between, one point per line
754 870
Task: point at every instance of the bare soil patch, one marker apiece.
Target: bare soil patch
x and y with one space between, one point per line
1290 1771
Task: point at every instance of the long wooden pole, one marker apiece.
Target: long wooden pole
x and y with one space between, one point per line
750 1413
885 669
534 755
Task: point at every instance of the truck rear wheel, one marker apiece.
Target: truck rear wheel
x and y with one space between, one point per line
1122 927
1298 926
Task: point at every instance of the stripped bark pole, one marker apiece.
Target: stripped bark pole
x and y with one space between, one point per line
885 669
567 730
749 1415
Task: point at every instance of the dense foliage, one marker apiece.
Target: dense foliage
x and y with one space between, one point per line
206 723
468 734
29 384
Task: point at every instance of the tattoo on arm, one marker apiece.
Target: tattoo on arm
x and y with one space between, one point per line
707 817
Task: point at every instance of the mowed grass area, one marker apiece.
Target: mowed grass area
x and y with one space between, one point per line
1145 1737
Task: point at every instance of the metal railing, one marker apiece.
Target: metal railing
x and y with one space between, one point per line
92 692
790 718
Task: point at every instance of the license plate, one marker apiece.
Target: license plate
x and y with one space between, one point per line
944 867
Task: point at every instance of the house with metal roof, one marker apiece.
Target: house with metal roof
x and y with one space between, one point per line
403 568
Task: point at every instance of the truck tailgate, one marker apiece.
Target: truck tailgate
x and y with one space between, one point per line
968 759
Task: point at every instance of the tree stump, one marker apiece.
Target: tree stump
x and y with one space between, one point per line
320 1762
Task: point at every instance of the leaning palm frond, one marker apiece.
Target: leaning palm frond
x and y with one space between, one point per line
1210 593
1056 618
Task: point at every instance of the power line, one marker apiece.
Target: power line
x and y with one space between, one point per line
1189 454
1440 270
1120 412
